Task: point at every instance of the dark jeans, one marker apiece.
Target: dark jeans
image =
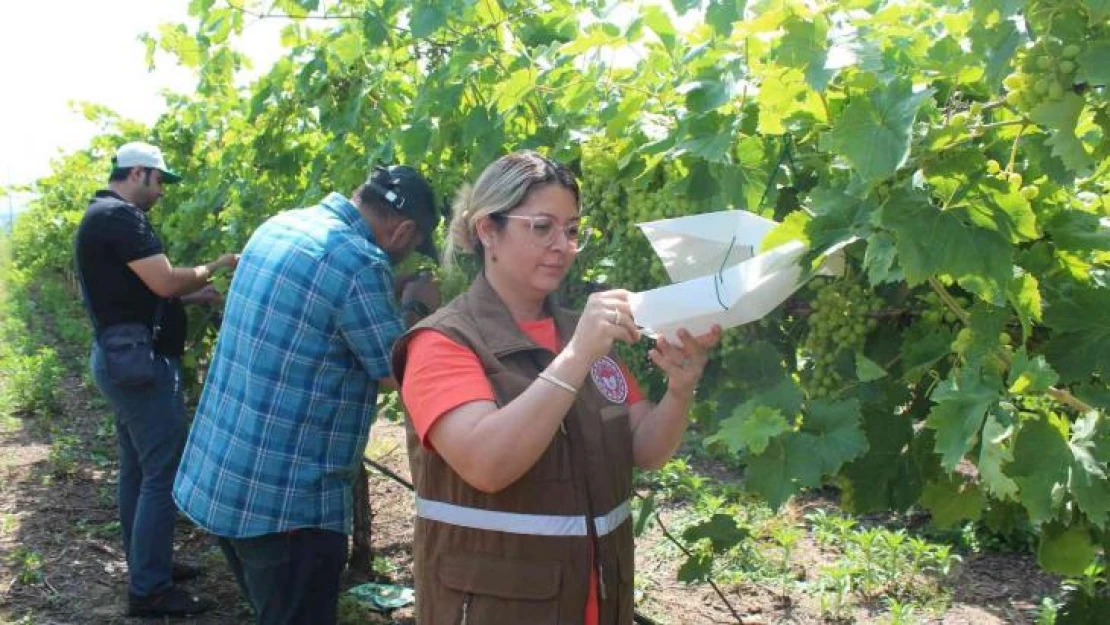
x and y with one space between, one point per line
291 578
150 433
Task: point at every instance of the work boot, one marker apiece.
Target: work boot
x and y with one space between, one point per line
173 602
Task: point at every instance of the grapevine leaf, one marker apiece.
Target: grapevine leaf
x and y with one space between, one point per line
961 407
1089 480
696 569
1098 11
830 436
722 530
996 44
786 466
998 206
513 88
1066 550
1061 117
985 351
427 18
786 397
951 500
793 228
745 182
751 426
804 47
839 217
1080 345
1094 62
892 474
835 426
785 99
994 452
874 132
722 14
1040 466
759 366
348 47
878 260
922 348
660 23
713 148
953 247
1025 296
1030 375
1078 231
868 370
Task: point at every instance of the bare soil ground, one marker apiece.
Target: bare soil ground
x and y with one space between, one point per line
60 560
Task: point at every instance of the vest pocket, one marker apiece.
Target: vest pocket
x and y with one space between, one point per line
488 589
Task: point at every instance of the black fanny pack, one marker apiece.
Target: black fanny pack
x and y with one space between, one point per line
128 350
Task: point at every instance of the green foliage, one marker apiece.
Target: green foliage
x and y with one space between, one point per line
27 565
31 381
965 144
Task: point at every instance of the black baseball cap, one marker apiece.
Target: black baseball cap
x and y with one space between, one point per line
403 188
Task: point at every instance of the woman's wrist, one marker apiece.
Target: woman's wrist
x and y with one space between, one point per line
682 394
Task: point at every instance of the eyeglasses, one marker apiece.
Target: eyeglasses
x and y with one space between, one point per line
545 230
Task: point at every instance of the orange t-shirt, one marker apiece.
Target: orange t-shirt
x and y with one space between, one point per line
442 375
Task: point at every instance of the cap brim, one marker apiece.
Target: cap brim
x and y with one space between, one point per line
168 177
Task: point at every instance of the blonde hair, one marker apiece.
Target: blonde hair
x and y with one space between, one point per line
503 186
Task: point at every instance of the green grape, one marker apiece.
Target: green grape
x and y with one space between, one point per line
1041 86
1055 91
1013 82
993 167
838 322
1070 51
1030 192
1067 67
1043 62
1014 179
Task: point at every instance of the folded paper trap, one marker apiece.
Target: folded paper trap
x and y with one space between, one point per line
719 276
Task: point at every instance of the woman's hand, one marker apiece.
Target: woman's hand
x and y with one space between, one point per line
606 318
684 362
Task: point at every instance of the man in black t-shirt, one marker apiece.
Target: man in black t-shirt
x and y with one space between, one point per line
128 279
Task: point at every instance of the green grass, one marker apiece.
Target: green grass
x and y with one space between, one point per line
836 564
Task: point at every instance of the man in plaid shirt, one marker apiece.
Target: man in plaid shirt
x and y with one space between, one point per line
290 396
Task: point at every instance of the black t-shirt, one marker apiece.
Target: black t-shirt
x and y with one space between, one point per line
112 234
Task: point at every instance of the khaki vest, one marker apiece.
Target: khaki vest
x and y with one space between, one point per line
503 577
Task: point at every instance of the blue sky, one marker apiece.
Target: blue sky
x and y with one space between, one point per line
54 52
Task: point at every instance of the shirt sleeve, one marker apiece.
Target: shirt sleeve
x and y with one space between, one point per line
131 235
635 393
368 319
440 375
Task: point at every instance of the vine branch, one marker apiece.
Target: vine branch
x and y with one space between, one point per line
684 550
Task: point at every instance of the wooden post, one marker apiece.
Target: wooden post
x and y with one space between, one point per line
362 554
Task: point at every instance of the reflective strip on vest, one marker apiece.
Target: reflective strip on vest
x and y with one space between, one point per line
516 523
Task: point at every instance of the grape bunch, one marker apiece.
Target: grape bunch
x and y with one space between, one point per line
839 321
664 203
1046 73
935 312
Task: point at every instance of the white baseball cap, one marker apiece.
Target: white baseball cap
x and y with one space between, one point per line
140 154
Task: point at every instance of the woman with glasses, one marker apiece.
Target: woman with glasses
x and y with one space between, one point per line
523 427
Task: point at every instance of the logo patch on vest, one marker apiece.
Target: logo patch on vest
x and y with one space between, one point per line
609 379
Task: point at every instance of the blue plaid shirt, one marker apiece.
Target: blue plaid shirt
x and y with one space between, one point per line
290 396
